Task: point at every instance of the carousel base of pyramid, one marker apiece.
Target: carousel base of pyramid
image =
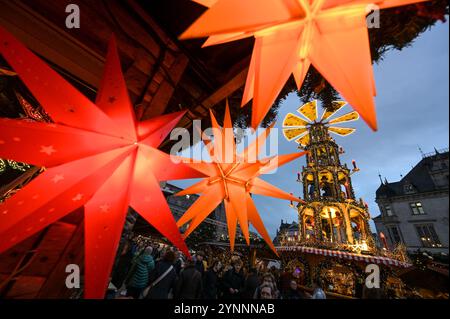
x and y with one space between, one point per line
342 274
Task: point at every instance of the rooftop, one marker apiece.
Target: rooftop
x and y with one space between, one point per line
419 179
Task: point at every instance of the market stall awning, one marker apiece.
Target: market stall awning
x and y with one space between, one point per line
346 255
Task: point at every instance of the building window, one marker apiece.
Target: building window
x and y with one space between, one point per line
388 211
396 237
417 208
428 236
409 189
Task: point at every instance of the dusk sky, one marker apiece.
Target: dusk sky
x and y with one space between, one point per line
413 111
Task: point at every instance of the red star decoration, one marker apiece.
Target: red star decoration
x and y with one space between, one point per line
231 179
104 156
292 35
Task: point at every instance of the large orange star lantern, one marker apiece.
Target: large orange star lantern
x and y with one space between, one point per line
290 35
232 178
95 155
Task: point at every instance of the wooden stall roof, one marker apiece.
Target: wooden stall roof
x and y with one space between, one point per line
162 73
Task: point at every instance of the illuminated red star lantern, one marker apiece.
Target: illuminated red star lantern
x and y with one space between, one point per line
232 178
290 35
95 155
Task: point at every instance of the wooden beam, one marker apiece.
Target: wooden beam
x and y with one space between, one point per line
39 30
52 42
166 89
220 94
226 90
133 29
152 24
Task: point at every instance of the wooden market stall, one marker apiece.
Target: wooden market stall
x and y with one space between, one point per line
162 75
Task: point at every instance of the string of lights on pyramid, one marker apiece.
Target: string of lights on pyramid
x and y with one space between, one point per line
96 156
232 178
292 35
324 172
297 128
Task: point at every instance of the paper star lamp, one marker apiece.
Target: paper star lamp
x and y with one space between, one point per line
95 155
232 178
290 35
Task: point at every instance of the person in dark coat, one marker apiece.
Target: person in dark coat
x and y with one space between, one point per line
292 293
189 283
163 288
285 280
211 281
199 265
139 279
252 282
178 262
233 281
155 253
123 266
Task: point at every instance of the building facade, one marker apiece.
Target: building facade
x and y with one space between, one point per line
287 232
415 210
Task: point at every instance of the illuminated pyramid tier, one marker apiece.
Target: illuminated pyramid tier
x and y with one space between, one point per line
332 216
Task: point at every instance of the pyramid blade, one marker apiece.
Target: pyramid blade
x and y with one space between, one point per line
309 110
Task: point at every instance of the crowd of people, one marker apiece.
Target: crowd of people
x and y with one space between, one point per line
150 270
